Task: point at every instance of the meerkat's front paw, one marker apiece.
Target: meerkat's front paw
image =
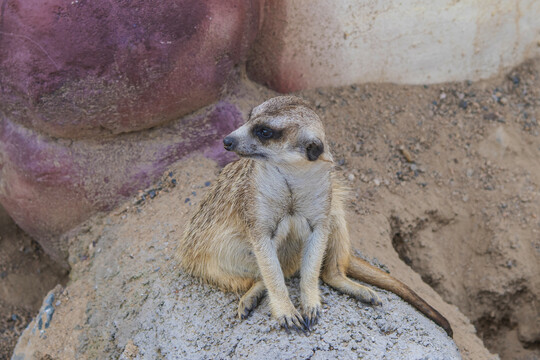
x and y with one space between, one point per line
292 321
311 316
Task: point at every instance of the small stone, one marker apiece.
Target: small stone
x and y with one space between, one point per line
470 172
350 177
377 182
465 198
463 104
491 116
207 183
130 351
442 96
503 101
515 79
152 194
406 154
187 200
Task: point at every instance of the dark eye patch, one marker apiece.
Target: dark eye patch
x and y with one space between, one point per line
265 133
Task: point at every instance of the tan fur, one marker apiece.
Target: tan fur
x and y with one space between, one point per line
278 211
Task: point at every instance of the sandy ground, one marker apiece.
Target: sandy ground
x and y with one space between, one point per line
455 169
445 181
26 275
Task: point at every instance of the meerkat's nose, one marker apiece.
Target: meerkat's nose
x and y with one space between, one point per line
229 143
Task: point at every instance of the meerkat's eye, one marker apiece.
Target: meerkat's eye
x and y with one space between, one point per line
264 133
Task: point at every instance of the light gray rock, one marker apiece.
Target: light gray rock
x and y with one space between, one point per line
127 299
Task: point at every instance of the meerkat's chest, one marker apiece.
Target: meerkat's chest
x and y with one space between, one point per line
292 202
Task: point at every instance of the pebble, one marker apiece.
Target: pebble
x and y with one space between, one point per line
377 182
350 177
463 104
503 101
515 79
406 154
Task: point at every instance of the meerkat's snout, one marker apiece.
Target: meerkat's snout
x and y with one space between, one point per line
229 143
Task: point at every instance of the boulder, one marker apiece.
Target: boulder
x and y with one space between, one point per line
50 185
128 299
77 69
315 43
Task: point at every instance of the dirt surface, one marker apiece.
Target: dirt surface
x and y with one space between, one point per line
455 169
26 275
444 177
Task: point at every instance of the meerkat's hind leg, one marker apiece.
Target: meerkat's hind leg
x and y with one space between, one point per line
347 286
250 299
338 258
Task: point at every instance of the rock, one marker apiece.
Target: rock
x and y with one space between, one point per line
48 186
294 52
95 68
120 307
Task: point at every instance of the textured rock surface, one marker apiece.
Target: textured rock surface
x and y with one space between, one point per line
84 68
127 300
411 42
49 186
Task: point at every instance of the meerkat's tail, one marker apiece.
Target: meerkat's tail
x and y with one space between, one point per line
362 270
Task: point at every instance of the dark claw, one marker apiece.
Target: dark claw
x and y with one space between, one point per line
307 323
286 327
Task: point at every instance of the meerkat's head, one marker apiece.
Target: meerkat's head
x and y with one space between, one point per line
283 129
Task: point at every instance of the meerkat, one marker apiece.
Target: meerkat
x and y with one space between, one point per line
277 211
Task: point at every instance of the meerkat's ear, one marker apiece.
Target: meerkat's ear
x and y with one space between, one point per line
314 149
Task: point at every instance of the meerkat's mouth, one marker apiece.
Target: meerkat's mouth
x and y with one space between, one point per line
252 155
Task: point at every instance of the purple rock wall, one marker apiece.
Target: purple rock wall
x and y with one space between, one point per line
49 185
94 97
85 68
